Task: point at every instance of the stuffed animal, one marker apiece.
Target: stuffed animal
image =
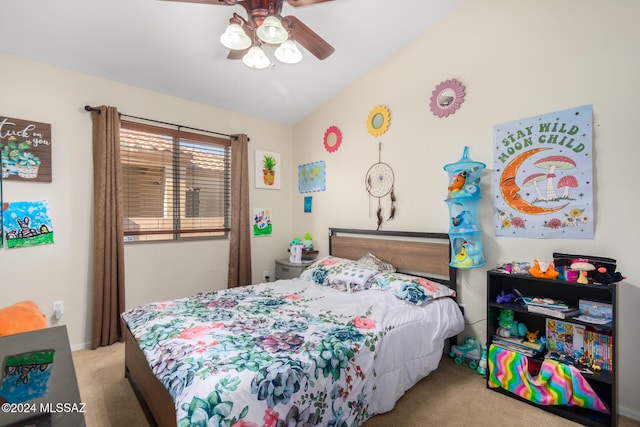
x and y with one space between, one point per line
508 327
532 336
21 317
543 270
602 275
504 297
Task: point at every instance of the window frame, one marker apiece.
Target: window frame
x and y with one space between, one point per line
176 232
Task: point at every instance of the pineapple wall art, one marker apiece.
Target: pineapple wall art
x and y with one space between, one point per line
25 150
267 169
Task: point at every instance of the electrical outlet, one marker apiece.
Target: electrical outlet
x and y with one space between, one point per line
267 275
58 309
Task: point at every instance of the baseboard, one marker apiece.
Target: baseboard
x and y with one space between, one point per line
634 414
81 346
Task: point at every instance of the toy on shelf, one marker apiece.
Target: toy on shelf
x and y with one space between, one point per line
583 269
508 327
532 336
469 350
543 270
307 242
601 275
593 269
504 297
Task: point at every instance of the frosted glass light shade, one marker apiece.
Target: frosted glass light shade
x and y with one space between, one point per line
256 58
235 38
272 31
288 53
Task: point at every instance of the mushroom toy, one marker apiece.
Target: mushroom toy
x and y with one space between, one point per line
583 269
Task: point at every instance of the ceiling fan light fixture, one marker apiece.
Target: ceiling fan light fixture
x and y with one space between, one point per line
271 31
288 53
235 38
256 58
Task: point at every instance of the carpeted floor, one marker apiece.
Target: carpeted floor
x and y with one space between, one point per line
451 396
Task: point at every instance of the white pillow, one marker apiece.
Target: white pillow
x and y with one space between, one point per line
413 289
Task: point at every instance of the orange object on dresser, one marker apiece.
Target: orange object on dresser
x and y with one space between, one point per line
24 316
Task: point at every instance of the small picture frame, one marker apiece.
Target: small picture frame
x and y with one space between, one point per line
307 203
268 170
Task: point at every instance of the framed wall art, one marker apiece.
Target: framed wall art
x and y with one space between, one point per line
25 148
311 177
268 170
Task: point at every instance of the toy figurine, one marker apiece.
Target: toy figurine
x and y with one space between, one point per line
510 327
602 275
462 258
532 336
583 269
307 242
543 270
503 297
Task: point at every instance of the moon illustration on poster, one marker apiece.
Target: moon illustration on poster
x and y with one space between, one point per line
511 192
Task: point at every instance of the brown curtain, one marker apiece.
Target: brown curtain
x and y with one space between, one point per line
108 249
240 237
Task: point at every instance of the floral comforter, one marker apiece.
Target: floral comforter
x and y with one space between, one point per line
290 353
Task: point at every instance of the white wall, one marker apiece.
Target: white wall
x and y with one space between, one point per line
154 271
517 60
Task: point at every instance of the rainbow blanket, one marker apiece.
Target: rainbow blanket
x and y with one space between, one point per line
556 384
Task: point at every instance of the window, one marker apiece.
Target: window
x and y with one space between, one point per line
176 184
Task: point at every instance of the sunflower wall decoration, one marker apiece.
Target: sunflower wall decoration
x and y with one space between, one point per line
378 120
332 139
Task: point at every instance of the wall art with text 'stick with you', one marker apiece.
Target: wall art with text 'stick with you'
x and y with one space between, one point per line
543 176
25 149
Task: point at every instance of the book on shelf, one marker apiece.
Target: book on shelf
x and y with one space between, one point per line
560 314
519 345
598 348
593 320
515 349
545 302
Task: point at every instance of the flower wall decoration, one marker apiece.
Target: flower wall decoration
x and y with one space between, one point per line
378 120
332 139
446 98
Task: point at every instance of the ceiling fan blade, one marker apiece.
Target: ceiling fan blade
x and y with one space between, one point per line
297 3
308 38
237 54
219 2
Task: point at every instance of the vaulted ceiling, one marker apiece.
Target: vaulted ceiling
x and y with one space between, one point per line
174 48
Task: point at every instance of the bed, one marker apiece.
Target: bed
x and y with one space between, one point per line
333 347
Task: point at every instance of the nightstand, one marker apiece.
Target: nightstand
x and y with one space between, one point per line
286 269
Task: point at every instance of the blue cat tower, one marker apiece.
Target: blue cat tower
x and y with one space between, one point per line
463 198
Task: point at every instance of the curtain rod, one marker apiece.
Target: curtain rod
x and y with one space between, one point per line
90 108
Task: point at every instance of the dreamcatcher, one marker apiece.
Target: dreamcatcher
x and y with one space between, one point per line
379 184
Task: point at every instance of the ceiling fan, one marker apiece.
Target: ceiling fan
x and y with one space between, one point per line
265 25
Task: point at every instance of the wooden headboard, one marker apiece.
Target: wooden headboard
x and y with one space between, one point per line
421 254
